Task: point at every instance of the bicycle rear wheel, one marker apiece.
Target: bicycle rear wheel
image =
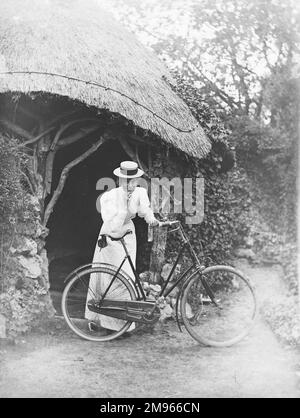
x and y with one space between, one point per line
225 322
89 285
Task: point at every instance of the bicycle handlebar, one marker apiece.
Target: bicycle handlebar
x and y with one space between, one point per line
168 223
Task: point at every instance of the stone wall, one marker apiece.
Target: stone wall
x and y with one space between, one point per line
27 265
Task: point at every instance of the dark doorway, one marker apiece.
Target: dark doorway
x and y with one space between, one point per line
75 222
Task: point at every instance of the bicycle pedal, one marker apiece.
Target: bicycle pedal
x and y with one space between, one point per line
93 326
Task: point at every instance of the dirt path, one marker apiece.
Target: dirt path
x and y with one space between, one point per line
164 363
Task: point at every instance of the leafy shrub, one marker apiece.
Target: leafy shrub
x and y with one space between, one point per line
288 259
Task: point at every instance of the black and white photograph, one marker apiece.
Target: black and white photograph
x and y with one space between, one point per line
149 202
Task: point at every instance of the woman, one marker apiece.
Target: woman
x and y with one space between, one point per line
118 207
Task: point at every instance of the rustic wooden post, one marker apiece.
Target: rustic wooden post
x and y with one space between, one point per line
157 254
159 235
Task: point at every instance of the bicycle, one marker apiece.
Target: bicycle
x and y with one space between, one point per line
216 304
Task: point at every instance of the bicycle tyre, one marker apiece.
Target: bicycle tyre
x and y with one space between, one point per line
80 325
207 323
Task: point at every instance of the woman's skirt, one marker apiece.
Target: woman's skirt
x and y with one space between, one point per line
113 254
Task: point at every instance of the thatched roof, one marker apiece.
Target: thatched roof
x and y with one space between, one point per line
78 39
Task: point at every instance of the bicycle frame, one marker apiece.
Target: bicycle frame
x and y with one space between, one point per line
138 285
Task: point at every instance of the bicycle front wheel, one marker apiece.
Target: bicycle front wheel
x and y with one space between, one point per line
218 306
87 287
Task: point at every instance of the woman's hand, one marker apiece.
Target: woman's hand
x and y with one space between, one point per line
154 222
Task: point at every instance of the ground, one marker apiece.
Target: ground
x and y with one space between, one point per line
163 363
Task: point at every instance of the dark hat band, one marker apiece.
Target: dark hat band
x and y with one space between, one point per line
129 172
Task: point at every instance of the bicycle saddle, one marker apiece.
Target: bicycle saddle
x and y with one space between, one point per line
118 238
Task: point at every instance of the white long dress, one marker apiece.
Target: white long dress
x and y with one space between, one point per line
117 211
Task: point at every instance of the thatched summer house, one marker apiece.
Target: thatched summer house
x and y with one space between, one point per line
83 94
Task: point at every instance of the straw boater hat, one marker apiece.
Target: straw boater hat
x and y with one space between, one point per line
128 169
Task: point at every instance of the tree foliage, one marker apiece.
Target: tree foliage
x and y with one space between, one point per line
228 49
238 57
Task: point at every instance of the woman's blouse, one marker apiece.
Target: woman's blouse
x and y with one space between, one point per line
117 209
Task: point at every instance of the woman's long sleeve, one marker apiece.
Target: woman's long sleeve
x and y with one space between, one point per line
144 209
